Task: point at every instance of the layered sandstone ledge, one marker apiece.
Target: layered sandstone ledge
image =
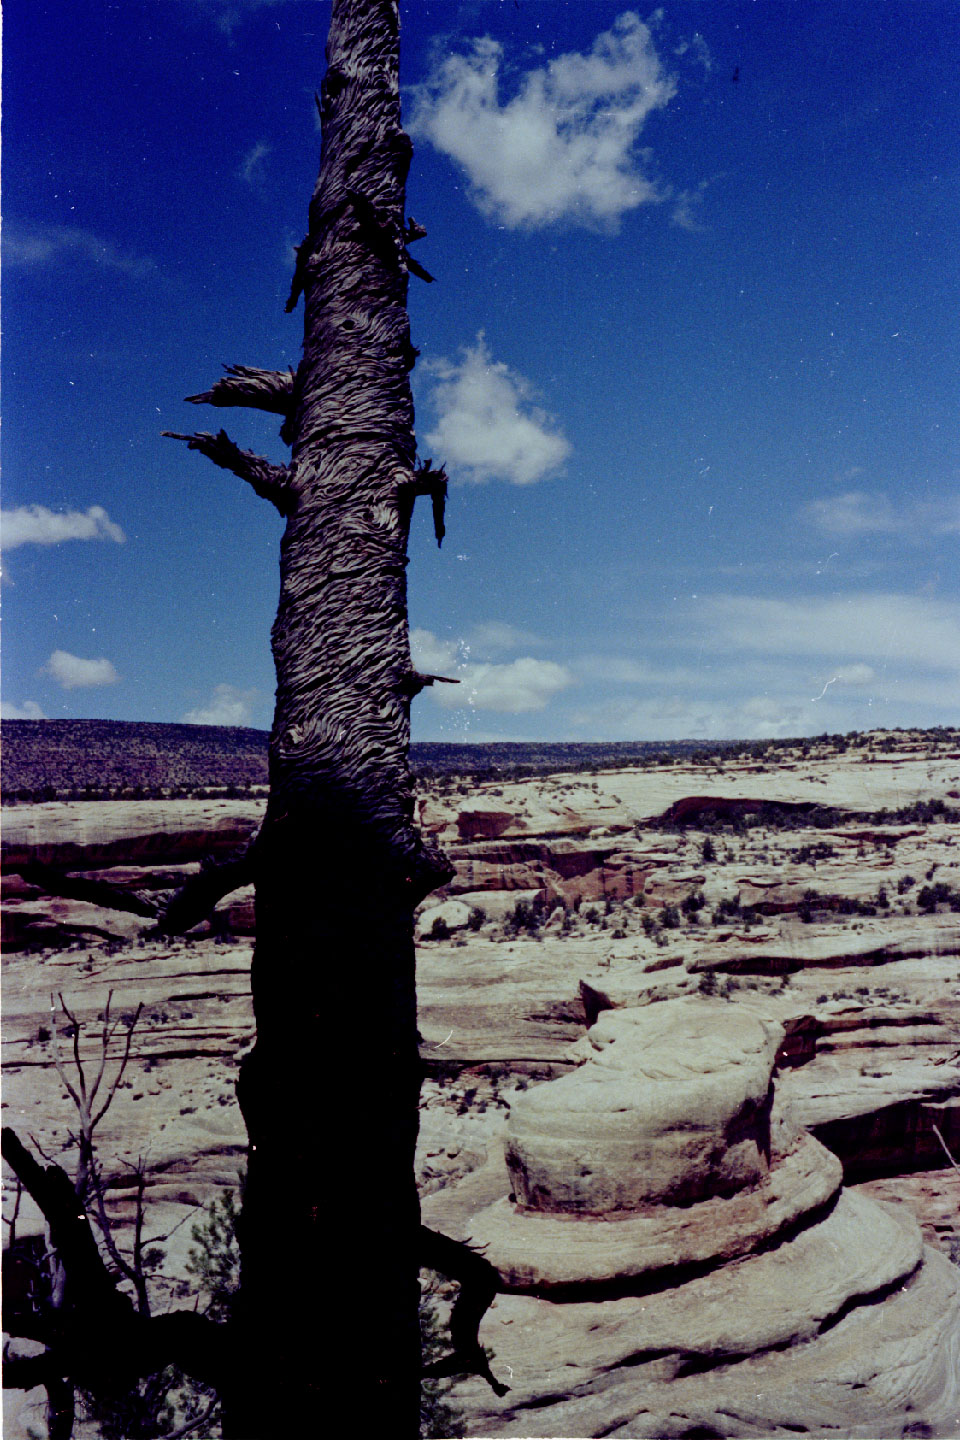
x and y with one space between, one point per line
619 1299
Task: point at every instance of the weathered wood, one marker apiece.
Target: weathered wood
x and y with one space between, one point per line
247 385
330 1209
271 482
99 1339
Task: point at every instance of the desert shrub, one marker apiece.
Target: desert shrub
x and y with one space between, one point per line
693 902
477 918
810 854
439 930
528 915
930 896
708 851
727 910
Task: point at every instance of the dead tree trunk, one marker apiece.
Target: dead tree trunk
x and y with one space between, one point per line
329 1232
330 1223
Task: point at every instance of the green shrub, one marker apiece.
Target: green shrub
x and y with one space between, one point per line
214 1259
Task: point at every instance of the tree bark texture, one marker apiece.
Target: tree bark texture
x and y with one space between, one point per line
330 1093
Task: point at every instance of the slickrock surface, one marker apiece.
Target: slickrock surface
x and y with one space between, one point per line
586 1341
87 834
573 905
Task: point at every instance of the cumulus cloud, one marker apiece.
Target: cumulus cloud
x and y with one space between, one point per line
36 525
29 710
487 426
228 705
74 673
564 147
514 687
522 685
253 159
53 244
870 512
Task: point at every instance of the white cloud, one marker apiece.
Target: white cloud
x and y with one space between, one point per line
686 208
522 685
227 706
487 427
29 710
883 627
432 656
870 512
697 49
494 637
74 673
513 688
227 15
253 159
690 717
564 146
36 525
857 512
855 675
50 244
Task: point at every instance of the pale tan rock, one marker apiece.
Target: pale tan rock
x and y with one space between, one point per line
237 913
877 1372
452 915
89 834
673 1107
547 1252
484 819
55 921
779 1297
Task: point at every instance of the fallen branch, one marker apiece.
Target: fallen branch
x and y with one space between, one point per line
77 887
936 1131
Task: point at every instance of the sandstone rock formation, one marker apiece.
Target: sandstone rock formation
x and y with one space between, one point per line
782 925
661 1229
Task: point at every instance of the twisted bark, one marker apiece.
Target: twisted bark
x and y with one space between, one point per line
330 1091
270 390
271 482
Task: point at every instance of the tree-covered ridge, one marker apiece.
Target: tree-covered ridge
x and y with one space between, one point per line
127 759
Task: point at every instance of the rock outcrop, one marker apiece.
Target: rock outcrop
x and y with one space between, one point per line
666 1222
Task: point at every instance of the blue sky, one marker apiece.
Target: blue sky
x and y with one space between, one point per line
691 358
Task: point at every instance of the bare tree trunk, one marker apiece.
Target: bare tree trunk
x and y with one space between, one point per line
329 1229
